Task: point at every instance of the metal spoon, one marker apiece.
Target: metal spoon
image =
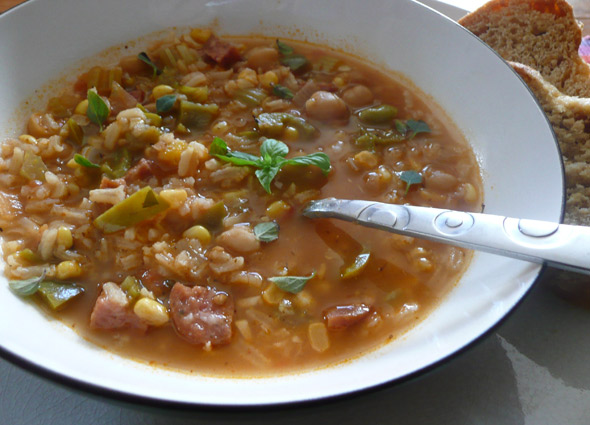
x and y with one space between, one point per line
558 245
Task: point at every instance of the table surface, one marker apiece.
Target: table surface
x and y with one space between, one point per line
532 370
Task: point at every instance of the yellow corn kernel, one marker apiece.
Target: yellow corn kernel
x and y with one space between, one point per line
200 35
366 159
73 164
198 232
12 247
73 189
318 337
64 237
303 300
268 79
27 138
151 312
161 90
172 151
272 294
277 210
82 107
384 175
339 82
422 264
244 328
68 269
248 75
470 194
290 134
175 197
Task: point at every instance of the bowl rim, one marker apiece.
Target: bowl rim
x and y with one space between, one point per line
152 401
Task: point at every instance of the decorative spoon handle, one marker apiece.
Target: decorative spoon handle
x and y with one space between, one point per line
559 245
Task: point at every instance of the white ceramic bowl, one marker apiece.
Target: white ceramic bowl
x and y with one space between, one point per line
510 135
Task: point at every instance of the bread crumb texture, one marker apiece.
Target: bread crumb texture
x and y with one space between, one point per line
542 34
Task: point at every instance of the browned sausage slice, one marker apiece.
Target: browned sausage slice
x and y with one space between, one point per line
201 314
221 52
112 310
343 316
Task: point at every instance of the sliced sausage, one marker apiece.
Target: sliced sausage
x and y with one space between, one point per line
107 183
343 316
201 315
221 52
112 310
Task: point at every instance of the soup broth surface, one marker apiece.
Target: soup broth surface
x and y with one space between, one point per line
155 205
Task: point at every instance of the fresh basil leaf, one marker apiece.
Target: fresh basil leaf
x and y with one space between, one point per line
410 177
284 49
274 149
26 287
218 147
272 158
165 103
266 232
417 127
97 111
295 62
244 156
237 161
266 175
319 159
282 92
79 159
401 127
292 284
145 58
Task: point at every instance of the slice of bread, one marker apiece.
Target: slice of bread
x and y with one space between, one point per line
570 119
542 34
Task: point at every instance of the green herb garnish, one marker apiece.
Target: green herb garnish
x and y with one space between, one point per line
401 126
97 111
284 49
165 103
417 127
146 59
295 62
289 58
410 177
282 92
266 232
79 159
26 287
271 159
292 284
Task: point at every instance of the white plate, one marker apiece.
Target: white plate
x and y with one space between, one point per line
521 165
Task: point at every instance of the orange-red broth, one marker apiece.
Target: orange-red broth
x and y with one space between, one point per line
405 277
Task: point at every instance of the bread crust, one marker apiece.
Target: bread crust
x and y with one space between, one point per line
570 119
542 34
